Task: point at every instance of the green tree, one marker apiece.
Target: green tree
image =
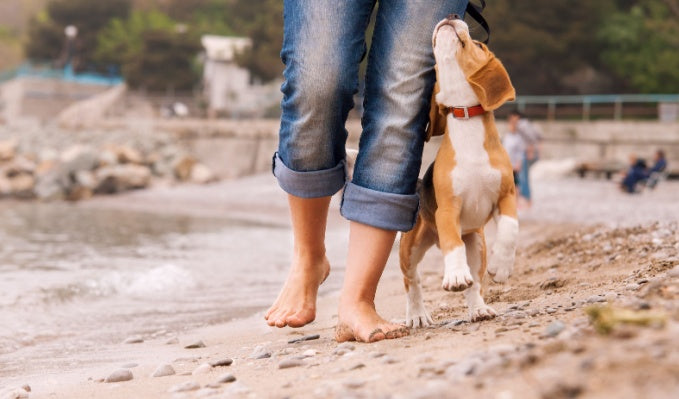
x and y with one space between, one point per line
165 61
153 51
641 45
46 40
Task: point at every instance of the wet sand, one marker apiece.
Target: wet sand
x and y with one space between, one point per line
582 244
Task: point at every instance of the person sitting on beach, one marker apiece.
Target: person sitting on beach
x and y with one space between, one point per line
323 44
656 172
636 173
516 147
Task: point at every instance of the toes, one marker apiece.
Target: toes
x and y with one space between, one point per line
376 335
300 319
397 333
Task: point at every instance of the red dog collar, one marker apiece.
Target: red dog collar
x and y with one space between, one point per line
466 112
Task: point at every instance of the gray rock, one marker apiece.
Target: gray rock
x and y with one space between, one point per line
346 345
195 345
554 328
674 272
226 378
354 383
222 363
185 387
163 371
291 362
304 338
119 376
129 365
172 341
133 340
202 369
117 178
309 353
79 157
260 352
389 360
595 299
17 394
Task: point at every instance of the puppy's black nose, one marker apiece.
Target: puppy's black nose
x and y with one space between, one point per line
453 16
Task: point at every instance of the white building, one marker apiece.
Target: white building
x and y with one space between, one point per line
228 87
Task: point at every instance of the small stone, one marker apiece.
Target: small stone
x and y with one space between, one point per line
357 366
674 272
550 310
632 287
304 338
172 341
17 394
376 354
309 353
226 378
202 369
428 336
163 370
129 365
354 384
389 360
119 376
595 299
289 363
195 345
185 387
554 328
26 387
453 324
222 363
552 282
260 352
611 296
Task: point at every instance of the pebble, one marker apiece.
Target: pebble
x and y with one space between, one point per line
346 345
17 394
226 378
260 352
289 363
205 392
357 366
129 365
222 363
202 369
185 387
134 340
632 287
376 354
309 353
163 370
195 345
26 387
554 328
674 272
172 341
595 299
304 338
550 310
611 296
354 384
389 360
119 376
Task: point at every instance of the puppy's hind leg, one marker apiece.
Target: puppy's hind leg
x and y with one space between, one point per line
475 244
414 244
504 248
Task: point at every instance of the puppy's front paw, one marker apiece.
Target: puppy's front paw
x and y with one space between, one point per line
418 317
482 312
500 267
458 279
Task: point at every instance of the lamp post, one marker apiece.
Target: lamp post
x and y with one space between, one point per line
71 32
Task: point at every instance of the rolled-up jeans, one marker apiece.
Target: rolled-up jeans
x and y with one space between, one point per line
323 44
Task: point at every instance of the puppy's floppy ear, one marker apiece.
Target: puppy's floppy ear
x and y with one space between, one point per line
486 74
437 118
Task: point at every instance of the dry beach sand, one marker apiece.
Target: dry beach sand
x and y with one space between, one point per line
583 244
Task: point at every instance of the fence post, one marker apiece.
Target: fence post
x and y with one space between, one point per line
617 113
585 109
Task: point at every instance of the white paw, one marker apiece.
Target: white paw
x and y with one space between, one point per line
418 317
482 312
500 266
458 279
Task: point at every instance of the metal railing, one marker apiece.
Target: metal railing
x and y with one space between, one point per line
583 104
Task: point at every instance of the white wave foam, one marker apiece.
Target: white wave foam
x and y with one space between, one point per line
167 278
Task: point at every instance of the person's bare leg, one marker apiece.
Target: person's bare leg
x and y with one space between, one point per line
296 303
369 249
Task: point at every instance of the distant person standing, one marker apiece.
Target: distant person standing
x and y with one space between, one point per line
515 146
531 137
656 172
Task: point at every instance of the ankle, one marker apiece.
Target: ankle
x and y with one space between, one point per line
308 257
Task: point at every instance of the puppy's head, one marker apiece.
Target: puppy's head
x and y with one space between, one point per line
483 71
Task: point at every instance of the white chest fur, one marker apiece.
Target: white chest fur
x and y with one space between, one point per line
474 180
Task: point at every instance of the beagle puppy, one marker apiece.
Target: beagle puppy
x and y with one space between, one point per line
470 180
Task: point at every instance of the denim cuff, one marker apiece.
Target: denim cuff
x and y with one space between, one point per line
312 184
386 211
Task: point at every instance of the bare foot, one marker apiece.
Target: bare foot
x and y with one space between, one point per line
296 304
360 322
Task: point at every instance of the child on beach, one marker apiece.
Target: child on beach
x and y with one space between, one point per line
323 44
